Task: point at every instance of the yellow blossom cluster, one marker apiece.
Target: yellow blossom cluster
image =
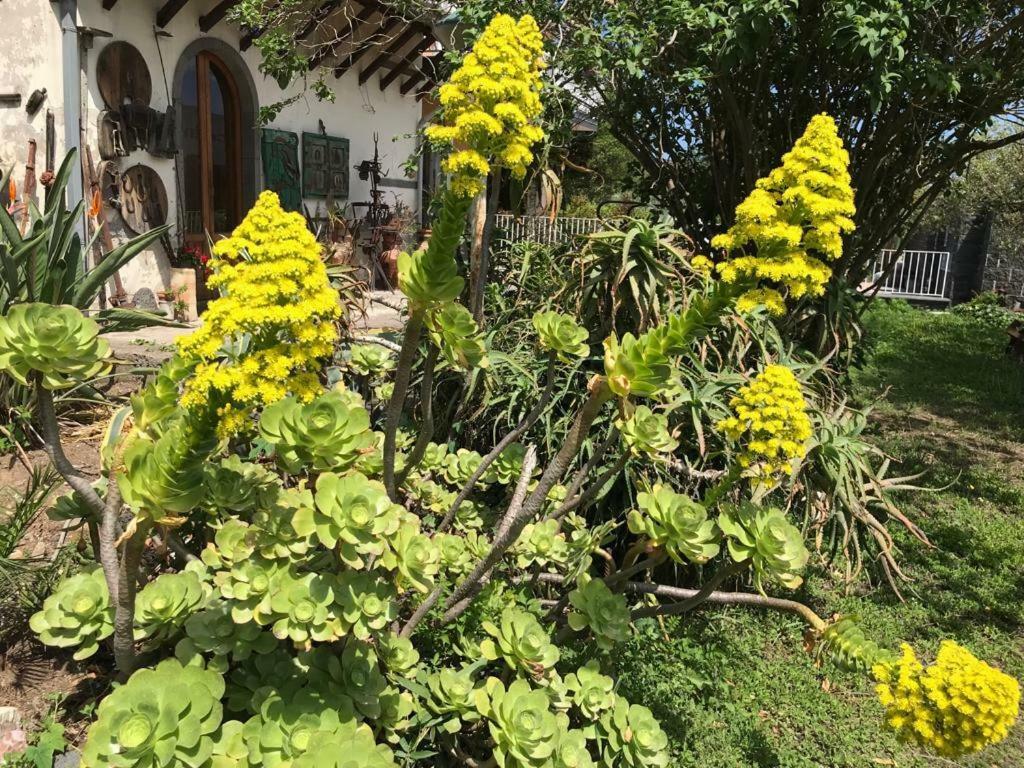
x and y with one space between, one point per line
492 104
267 334
801 208
955 706
772 413
702 264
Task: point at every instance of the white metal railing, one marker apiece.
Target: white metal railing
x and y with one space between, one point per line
543 229
911 274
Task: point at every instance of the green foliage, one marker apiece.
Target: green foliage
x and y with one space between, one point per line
592 692
986 309
56 342
520 721
561 334
520 640
370 359
165 603
237 486
634 737
675 523
763 536
353 514
455 332
161 716
597 608
646 433
541 545
430 276
330 433
78 613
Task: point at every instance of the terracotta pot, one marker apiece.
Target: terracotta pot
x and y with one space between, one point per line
185 277
389 263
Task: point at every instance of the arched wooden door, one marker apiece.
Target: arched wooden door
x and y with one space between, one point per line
212 148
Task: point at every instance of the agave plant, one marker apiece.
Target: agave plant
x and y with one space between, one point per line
78 613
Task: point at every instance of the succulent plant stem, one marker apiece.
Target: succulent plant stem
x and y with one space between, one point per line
527 421
403 371
694 600
426 430
510 528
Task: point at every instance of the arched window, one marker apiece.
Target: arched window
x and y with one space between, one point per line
216 130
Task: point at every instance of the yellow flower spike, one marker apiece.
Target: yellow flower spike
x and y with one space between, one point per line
772 413
274 287
492 104
955 706
805 205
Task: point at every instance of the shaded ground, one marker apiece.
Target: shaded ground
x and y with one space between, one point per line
736 688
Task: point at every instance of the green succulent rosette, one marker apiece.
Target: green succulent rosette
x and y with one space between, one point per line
370 359
675 523
350 746
633 737
430 276
328 434
167 716
603 612
646 433
453 696
229 750
455 332
524 729
160 397
433 457
273 534
160 478
248 587
285 725
236 486
592 693
78 613
773 545
399 655
541 544
165 603
302 609
561 334
352 514
368 603
460 466
212 630
572 751
413 556
354 674
520 640
57 342
232 544
72 506
637 367
507 467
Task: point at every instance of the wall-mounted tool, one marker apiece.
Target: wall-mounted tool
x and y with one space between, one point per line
35 101
10 99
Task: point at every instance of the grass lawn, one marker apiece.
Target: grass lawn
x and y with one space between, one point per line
736 688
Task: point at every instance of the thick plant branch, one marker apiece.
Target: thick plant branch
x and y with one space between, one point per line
124 605
599 395
592 492
378 340
410 342
426 432
716 598
694 600
584 472
528 421
55 451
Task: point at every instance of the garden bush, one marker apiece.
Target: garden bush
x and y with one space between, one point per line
345 592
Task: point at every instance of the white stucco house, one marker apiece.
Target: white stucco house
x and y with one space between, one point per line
185 59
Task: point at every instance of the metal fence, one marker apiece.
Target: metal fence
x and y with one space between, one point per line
542 229
912 274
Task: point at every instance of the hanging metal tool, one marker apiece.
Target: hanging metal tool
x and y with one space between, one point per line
120 297
51 154
28 191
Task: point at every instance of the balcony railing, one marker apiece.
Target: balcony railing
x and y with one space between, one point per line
920 275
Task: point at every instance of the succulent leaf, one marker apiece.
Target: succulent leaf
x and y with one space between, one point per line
57 342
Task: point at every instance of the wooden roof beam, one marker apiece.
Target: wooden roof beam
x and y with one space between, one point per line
355 25
215 15
168 11
412 82
318 16
108 4
407 62
366 46
398 44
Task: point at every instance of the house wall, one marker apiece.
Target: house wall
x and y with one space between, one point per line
30 37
